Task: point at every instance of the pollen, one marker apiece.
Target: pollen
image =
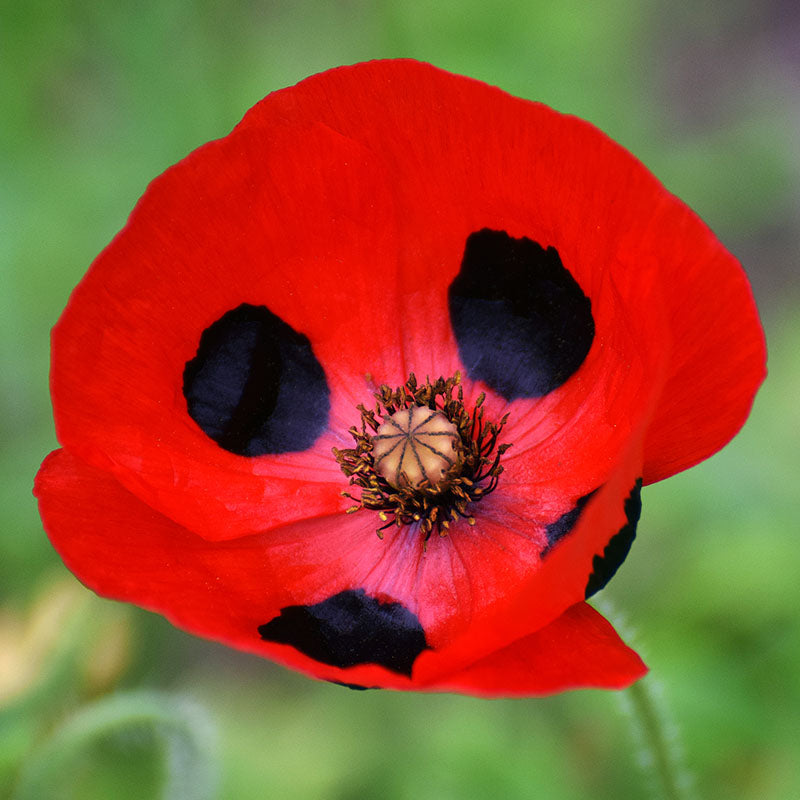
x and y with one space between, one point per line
421 457
415 445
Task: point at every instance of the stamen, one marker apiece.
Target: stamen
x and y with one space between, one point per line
421 457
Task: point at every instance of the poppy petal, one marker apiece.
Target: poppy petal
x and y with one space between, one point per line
139 317
546 584
562 183
473 591
578 650
718 352
121 548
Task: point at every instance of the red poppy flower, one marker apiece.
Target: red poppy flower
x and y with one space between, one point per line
370 386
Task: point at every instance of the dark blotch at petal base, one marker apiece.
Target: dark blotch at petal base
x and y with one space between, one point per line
255 386
351 628
522 323
605 567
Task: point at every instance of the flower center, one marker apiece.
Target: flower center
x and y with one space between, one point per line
422 457
414 446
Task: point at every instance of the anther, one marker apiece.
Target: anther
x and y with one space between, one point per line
421 457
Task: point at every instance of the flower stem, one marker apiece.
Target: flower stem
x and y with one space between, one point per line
656 737
182 730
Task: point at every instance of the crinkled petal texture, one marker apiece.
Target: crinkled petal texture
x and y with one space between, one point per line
371 222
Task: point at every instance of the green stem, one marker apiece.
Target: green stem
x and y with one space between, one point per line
181 728
659 750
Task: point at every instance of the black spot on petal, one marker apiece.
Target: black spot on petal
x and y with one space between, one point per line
351 628
557 530
522 323
255 386
605 566
355 686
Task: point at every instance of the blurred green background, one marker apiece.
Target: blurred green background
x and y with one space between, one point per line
100 98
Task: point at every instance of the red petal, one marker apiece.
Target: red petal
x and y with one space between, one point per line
579 650
474 591
541 589
122 549
557 179
718 348
213 232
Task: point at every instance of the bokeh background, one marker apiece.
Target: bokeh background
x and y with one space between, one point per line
99 98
